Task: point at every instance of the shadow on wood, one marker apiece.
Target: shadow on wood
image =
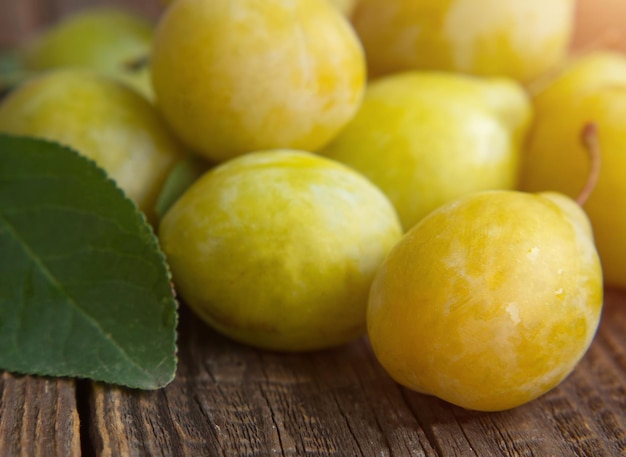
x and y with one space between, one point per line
230 399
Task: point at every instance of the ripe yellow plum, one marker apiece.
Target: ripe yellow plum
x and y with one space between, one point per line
345 6
592 89
109 40
234 77
520 39
427 137
490 301
102 119
278 248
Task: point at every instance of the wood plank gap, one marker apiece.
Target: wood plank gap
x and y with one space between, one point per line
84 391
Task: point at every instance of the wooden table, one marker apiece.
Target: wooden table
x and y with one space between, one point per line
232 400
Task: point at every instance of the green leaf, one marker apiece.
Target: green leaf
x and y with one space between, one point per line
84 288
183 175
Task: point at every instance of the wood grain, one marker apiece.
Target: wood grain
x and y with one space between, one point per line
230 400
38 417
233 400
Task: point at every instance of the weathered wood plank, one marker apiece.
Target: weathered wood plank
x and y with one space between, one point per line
18 20
38 417
229 400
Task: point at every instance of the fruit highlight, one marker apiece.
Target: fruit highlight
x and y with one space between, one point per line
235 77
278 249
490 301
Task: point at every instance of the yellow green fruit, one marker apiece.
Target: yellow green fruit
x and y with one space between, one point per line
520 39
234 77
345 6
278 249
102 119
591 89
109 40
490 301
427 137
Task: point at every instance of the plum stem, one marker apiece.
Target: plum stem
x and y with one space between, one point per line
589 138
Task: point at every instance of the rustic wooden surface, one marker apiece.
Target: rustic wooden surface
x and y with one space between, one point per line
38 417
232 400
228 399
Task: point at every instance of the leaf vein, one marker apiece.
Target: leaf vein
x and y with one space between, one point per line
37 261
